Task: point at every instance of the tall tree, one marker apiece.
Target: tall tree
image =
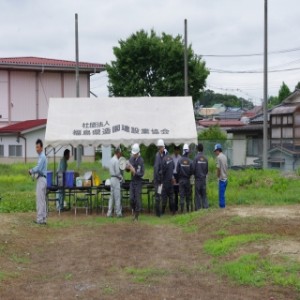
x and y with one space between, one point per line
152 65
209 98
298 85
284 91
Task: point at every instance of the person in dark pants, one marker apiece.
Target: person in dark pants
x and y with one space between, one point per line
62 168
167 183
157 176
176 157
200 170
184 171
137 169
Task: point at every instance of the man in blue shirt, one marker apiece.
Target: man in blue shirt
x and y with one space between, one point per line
40 172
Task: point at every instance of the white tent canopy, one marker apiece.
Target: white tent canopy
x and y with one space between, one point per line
115 121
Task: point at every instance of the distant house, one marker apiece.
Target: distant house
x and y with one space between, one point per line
214 110
17 143
27 83
284 150
283 137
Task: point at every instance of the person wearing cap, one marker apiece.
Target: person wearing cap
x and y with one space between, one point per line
167 183
157 175
115 185
222 168
184 171
176 157
137 169
200 170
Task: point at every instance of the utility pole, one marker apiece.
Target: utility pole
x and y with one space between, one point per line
265 104
78 158
186 92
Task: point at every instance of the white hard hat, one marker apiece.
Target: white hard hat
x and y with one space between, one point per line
135 149
185 147
160 143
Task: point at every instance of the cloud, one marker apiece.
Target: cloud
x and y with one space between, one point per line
46 29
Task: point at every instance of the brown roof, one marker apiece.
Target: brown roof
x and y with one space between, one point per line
22 126
221 123
283 110
37 63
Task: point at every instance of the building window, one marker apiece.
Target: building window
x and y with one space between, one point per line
1 150
254 146
15 150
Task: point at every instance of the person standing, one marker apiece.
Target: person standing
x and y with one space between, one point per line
176 157
222 168
157 175
200 170
167 183
62 168
115 185
40 172
184 171
137 169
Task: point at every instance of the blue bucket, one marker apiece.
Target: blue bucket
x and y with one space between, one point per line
69 178
49 178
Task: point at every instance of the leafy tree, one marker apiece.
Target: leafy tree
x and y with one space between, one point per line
210 136
209 98
298 85
150 65
212 133
273 101
284 92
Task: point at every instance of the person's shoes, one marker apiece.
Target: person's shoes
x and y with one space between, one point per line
109 216
39 223
119 216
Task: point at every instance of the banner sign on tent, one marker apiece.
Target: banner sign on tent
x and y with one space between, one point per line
115 121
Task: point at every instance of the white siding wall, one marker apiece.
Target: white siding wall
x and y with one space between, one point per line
11 140
49 85
239 148
4 96
30 92
23 96
70 85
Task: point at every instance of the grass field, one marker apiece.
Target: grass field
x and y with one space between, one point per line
250 250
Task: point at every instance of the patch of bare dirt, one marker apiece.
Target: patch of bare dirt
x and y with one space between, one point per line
286 212
85 259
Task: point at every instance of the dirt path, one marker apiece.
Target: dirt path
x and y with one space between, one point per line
84 258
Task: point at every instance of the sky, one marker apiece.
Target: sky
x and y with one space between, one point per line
228 34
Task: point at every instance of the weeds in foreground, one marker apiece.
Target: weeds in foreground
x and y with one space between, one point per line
143 275
226 245
250 269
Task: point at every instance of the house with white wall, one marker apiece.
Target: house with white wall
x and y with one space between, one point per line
26 85
283 137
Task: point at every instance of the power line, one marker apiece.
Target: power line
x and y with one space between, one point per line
251 54
250 71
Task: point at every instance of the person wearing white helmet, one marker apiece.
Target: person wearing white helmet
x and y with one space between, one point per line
137 169
222 168
186 149
184 170
157 175
115 185
200 170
